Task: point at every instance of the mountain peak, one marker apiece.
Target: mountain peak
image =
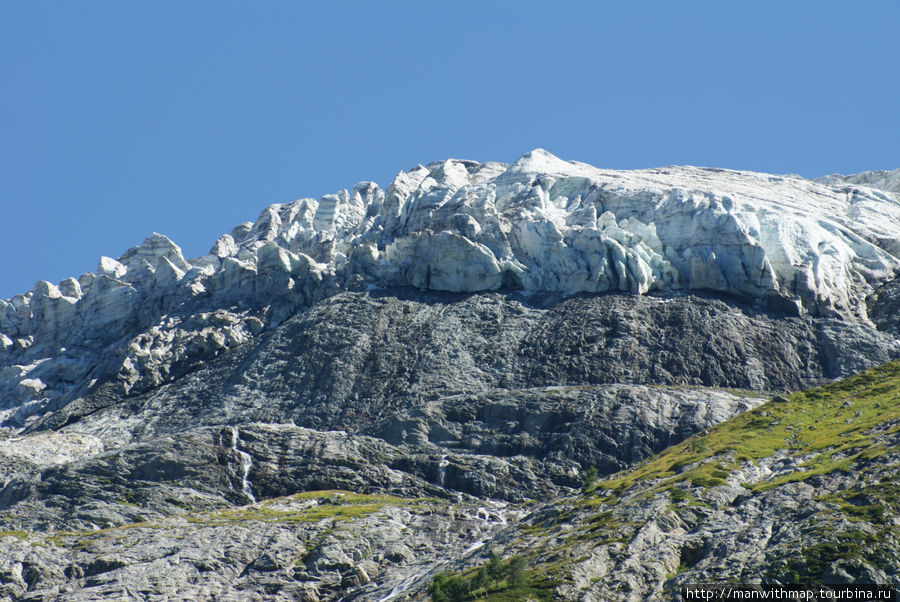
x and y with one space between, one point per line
540 160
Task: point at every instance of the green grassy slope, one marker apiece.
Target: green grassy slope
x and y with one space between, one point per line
804 489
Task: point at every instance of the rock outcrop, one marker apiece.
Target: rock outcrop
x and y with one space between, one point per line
802 490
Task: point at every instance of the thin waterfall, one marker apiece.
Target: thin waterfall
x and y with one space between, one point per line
442 469
234 443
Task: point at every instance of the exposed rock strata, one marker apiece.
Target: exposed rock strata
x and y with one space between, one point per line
817 502
358 357
298 548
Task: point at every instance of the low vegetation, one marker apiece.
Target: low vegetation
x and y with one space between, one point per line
306 507
589 478
495 580
830 427
311 506
852 425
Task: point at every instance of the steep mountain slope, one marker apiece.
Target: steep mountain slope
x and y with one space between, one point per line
800 490
347 396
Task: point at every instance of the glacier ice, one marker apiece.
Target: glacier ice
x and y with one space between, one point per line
539 224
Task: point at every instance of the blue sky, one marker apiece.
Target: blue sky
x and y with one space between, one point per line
186 118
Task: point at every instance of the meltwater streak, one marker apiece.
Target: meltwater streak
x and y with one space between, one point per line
244 459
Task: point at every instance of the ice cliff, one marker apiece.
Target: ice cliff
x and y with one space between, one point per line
782 243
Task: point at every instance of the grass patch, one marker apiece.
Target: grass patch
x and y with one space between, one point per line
832 423
321 505
306 507
870 503
677 495
15 533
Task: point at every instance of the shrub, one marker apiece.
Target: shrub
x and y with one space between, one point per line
447 588
495 568
515 571
589 478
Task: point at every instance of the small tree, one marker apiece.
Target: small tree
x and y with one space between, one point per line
457 588
515 571
495 568
481 579
449 588
589 478
436 589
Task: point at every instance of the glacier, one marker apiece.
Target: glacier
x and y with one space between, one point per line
541 224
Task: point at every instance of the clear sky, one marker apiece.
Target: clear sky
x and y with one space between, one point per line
122 118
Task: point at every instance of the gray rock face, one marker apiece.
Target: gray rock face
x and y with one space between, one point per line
513 445
298 548
412 394
816 502
357 358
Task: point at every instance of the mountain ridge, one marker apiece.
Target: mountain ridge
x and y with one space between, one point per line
540 225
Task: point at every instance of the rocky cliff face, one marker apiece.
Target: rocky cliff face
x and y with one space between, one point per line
801 490
449 350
